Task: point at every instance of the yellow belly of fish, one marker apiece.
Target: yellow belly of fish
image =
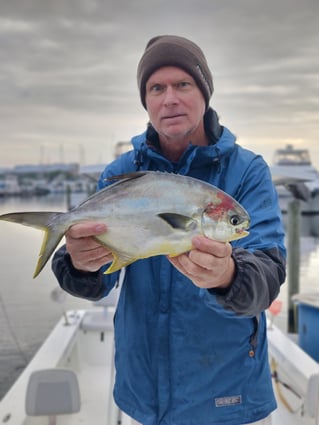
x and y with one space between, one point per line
126 253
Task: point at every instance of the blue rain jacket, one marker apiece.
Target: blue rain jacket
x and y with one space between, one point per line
184 355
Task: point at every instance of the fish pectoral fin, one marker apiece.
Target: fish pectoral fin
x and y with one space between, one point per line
179 221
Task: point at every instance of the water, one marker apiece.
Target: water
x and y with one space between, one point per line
27 312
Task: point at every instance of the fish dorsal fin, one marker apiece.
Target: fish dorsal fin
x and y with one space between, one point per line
127 176
135 175
178 221
117 180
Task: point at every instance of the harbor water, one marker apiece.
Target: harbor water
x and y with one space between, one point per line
27 310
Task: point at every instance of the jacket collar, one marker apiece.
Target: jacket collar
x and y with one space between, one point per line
146 145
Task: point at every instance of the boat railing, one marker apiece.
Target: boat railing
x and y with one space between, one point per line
297 368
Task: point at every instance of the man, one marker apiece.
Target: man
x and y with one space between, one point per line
190 331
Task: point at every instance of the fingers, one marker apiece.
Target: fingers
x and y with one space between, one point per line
90 260
207 254
89 228
208 265
87 254
215 248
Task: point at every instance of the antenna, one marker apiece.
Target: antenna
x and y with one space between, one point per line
81 154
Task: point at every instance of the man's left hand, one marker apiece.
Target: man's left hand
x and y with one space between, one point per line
209 264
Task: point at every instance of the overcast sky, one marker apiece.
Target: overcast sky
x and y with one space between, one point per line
68 72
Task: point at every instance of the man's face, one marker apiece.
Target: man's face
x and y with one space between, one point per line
175 104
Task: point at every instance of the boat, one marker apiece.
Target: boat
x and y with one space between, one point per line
69 381
293 166
296 178
295 380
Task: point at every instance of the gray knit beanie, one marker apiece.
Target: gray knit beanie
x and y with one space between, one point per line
171 50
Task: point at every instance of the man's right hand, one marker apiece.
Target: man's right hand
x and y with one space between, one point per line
86 253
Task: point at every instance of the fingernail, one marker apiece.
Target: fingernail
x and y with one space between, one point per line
197 241
100 228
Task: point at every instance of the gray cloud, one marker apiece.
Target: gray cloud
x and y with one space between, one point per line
68 70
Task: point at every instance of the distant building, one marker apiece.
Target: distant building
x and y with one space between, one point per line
72 168
9 185
58 178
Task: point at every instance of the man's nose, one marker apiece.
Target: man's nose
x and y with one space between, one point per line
171 97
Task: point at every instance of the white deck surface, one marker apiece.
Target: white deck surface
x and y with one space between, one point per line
86 347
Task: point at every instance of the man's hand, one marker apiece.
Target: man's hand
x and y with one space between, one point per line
209 264
86 253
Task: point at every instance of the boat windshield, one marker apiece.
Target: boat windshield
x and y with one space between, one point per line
291 156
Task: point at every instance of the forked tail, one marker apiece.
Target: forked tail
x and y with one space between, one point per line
46 221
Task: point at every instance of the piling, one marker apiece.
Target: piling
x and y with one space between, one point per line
293 261
68 195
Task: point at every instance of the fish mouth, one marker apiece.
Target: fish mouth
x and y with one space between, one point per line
241 233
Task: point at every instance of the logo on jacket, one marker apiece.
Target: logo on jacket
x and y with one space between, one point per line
227 401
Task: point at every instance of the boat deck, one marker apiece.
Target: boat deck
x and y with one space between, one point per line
85 346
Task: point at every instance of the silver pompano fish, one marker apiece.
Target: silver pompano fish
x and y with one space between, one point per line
146 214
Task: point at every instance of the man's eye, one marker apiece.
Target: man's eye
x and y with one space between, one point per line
155 88
184 84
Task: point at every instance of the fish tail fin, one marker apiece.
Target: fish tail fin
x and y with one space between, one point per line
44 221
50 241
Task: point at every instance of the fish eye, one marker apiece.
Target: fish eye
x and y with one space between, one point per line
235 220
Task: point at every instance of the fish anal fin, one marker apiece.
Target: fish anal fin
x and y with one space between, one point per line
119 262
179 221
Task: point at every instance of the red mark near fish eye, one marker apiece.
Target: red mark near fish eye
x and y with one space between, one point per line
226 201
218 209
